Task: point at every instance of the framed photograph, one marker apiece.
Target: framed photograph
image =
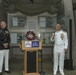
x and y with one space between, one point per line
28 44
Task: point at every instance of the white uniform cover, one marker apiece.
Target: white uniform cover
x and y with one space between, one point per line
60 43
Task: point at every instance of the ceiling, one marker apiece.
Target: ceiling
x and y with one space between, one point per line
31 1
55 6
22 5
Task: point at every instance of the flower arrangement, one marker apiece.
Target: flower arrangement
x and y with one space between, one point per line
30 35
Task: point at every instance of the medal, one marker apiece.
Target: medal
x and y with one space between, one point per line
62 36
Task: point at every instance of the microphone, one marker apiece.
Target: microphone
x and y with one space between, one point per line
53 34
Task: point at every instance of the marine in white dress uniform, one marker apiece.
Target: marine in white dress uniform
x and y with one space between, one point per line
60 46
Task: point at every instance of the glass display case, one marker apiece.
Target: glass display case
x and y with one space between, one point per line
16 37
46 21
45 37
17 21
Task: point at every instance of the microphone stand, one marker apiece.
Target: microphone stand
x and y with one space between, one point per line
42 72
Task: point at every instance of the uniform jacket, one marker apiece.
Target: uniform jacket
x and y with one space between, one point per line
6 37
60 41
1 39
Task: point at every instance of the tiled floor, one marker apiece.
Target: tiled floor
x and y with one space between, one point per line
16 67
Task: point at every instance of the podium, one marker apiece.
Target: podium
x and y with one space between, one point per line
30 49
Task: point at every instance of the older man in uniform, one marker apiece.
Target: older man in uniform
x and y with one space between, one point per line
60 47
1 49
5 51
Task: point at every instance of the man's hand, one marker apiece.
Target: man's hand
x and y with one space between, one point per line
53 36
5 45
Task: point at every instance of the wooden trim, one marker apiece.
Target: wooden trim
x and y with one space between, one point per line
37 61
25 57
25 61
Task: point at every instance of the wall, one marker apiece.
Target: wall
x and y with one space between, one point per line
3 13
75 20
36 29
69 12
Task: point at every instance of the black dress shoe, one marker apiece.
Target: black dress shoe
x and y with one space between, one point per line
0 73
7 71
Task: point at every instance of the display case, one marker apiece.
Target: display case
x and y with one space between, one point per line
45 38
46 21
16 38
17 21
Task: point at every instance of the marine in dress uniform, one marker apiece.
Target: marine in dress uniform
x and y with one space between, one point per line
6 48
60 46
1 50
6 41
